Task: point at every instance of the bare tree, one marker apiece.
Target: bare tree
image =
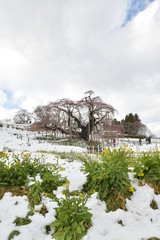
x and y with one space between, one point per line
75 118
22 117
41 115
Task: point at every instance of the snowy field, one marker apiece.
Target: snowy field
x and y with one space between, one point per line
140 221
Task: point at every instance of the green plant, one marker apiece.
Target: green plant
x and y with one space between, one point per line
72 218
120 222
51 178
15 174
109 177
147 169
43 210
13 233
22 221
121 154
153 238
154 205
34 194
48 229
72 156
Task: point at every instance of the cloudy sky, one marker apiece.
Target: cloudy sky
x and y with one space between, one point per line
52 49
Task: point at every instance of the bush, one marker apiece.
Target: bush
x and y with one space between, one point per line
147 169
14 176
109 177
72 218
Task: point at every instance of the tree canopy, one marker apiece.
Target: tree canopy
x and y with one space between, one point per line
133 125
79 118
87 118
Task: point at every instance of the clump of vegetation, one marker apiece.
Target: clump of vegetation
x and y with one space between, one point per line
70 156
153 238
109 177
121 223
13 234
72 218
34 194
154 205
48 229
15 174
147 169
22 221
43 210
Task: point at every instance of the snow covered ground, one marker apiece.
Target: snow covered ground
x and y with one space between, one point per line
139 222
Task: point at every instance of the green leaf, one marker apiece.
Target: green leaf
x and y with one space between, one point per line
78 230
56 223
74 225
69 237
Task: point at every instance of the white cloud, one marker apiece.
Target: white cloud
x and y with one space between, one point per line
3 97
7 114
54 49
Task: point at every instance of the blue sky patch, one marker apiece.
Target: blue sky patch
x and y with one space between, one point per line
10 103
135 6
